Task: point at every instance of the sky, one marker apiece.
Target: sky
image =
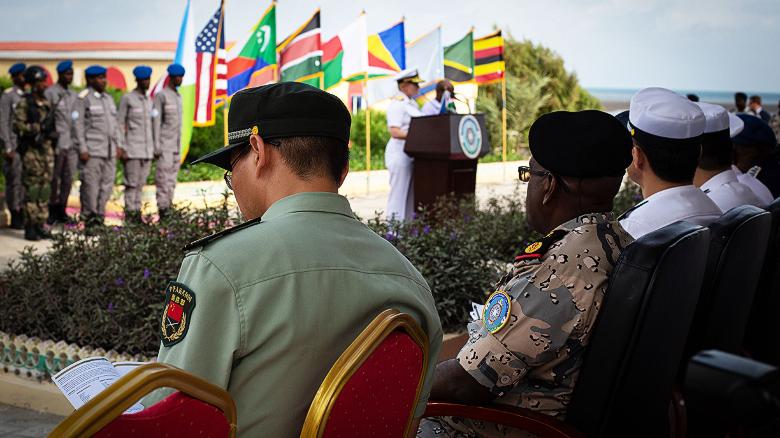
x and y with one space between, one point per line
719 45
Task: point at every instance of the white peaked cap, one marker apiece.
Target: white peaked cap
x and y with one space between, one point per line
736 125
409 73
664 113
717 117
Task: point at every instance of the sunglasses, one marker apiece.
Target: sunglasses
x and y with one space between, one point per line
524 173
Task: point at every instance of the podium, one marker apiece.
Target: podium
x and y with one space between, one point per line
446 149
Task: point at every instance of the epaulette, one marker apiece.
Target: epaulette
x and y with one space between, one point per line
754 171
537 249
208 239
83 93
630 210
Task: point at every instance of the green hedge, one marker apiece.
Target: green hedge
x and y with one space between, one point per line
107 291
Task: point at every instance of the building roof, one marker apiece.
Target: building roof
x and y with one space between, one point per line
131 50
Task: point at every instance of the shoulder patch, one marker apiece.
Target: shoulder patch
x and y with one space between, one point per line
208 239
497 310
84 93
177 313
628 212
537 249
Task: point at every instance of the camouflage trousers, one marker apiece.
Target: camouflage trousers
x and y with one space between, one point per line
454 427
37 167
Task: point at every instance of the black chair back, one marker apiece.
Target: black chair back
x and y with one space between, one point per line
625 383
738 242
763 333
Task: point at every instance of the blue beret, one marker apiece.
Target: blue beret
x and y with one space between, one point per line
95 70
64 66
756 132
176 70
142 72
17 68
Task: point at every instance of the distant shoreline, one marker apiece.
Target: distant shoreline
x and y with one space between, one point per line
614 100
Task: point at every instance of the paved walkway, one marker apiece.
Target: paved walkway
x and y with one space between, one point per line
23 423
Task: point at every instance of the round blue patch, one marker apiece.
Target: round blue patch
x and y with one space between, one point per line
496 312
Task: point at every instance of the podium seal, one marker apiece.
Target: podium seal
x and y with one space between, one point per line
470 136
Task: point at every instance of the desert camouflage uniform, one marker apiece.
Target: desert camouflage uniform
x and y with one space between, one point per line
37 159
556 290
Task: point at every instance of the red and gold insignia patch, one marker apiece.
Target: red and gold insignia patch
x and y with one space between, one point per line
177 314
537 249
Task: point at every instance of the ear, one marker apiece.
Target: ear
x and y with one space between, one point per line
262 155
548 188
344 173
639 160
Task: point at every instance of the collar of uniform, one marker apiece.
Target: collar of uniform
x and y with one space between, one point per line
324 202
585 219
725 177
683 201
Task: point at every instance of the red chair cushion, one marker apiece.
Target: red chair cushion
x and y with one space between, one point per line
378 399
177 415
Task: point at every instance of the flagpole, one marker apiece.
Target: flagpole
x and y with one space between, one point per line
503 121
368 133
225 122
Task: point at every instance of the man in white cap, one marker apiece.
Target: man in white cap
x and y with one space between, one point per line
714 175
667 130
400 201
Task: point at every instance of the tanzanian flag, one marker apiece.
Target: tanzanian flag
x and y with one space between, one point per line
252 62
300 54
489 64
459 59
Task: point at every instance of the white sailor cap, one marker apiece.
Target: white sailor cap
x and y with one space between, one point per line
408 75
665 114
716 116
736 125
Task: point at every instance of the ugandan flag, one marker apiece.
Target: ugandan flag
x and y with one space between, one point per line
459 59
489 58
300 54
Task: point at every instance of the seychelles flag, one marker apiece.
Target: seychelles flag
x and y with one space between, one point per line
252 62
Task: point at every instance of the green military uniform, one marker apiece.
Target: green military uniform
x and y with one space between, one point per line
269 308
37 153
528 346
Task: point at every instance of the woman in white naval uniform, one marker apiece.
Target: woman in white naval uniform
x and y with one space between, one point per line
400 202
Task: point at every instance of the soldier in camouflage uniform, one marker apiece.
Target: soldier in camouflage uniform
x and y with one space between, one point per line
33 123
527 348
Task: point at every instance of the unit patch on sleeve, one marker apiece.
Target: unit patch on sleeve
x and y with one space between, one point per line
177 314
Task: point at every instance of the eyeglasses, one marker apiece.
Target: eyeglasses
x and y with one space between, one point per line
525 172
228 176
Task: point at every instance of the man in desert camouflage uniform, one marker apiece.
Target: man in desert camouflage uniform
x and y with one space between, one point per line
527 348
33 124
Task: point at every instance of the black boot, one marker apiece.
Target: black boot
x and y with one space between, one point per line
42 233
17 220
62 214
53 214
30 233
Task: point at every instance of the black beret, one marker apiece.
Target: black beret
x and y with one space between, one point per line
755 133
286 109
583 144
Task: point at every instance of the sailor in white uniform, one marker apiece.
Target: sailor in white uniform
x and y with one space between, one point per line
749 178
667 130
400 202
714 175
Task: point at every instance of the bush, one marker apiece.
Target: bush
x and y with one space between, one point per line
105 291
357 139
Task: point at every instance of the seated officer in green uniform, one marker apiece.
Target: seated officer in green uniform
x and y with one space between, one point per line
265 308
528 346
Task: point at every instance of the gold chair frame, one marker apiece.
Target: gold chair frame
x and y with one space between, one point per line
352 358
108 405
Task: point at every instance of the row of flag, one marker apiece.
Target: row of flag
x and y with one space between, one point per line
214 73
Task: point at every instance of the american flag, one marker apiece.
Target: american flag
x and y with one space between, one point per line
206 62
222 70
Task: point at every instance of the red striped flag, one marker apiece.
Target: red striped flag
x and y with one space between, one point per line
489 64
206 44
222 70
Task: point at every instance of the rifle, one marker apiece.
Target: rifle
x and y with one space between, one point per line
48 129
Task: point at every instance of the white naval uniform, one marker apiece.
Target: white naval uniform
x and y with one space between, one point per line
760 190
400 201
432 108
683 203
727 192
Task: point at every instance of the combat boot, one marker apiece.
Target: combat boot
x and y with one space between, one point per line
17 220
42 233
30 233
53 215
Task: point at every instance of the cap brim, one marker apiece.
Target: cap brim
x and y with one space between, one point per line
220 157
